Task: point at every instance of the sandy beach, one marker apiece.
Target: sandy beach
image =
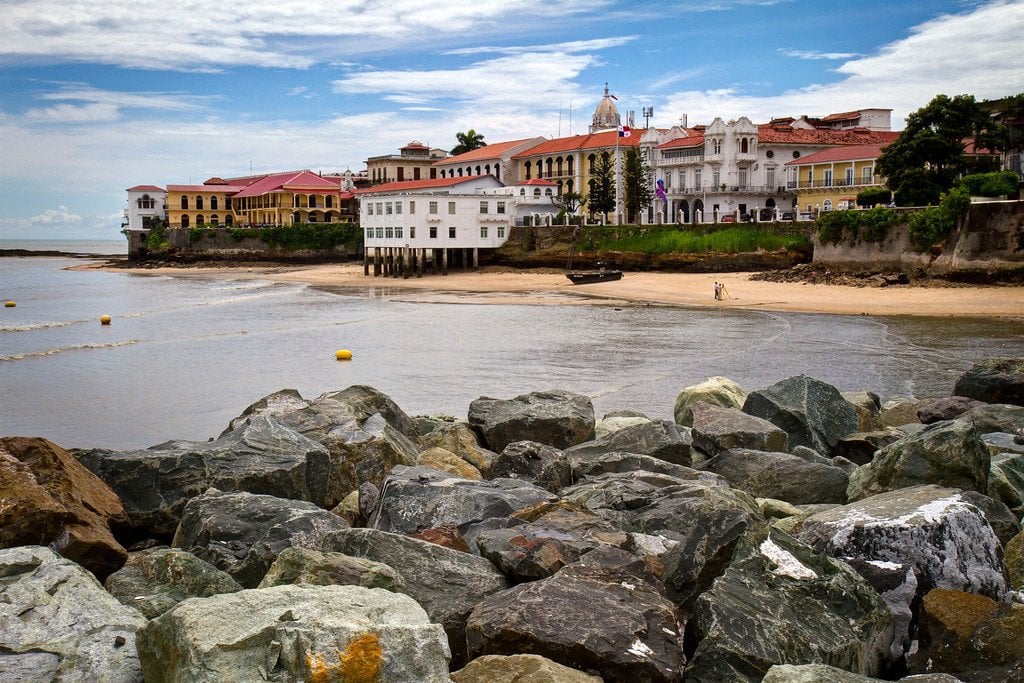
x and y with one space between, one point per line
502 285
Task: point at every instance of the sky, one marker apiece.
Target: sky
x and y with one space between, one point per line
96 97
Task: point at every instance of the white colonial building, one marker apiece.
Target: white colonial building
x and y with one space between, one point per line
145 202
413 225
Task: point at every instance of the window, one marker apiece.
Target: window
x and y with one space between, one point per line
146 202
412 232
398 231
501 207
522 191
501 231
433 232
199 203
412 207
451 232
483 232
484 206
536 192
389 232
227 203
827 205
547 192
866 173
451 208
380 232
380 208
200 220
416 173
769 154
184 203
184 221
433 207
398 208
697 180
810 177
716 146
329 202
849 176
828 178
388 208
715 178
213 203
769 177
369 208
369 233
214 220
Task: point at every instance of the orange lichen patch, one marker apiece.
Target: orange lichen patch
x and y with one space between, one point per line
957 611
360 662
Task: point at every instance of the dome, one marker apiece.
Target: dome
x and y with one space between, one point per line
606 116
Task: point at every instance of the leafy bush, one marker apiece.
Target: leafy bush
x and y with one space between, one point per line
871 225
933 224
308 235
873 196
1003 183
157 240
658 240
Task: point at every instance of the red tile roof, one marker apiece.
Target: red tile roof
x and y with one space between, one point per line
767 133
225 189
490 151
842 116
298 180
690 141
602 140
536 181
405 185
145 188
843 153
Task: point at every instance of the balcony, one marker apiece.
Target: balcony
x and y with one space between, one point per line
840 182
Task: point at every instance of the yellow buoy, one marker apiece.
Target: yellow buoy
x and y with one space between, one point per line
104 319
10 304
343 354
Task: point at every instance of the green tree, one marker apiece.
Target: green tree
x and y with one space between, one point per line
928 156
569 201
468 141
636 178
602 184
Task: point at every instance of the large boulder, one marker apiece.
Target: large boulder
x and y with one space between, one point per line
154 581
415 498
1006 481
613 422
605 613
658 438
970 636
460 439
811 412
718 391
946 539
860 447
935 410
947 454
447 583
996 417
868 406
365 432
47 497
259 456
519 669
557 418
780 476
584 467
717 429
58 624
304 566
542 465
296 633
242 533
897 584
528 552
809 609
995 380
442 459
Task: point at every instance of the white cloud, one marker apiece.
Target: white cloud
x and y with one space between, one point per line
58 215
69 113
811 54
904 75
203 36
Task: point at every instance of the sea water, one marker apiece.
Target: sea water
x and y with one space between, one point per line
182 356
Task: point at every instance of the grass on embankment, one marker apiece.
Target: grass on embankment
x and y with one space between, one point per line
666 241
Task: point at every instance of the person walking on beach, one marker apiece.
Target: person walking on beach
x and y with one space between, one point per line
718 291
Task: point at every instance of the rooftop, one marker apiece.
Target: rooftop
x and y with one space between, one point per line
406 185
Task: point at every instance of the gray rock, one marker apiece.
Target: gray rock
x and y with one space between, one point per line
946 408
1006 481
810 609
584 467
557 418
996 417
812 673
544 466
717 429
242 533
519 669
781 476
531 551
946 454
296 633
415 498
719 391
365 432
994 380
1003 522
154 581
946 539
613 423
260 456
303 566
811 412
898 586
658 438
57 622
860 447
447 583
810 455
605 613
1001 442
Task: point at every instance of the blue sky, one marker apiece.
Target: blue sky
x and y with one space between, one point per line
96 97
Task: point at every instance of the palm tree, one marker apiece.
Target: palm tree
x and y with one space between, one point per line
468 141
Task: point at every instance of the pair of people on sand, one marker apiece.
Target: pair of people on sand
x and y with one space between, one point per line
720 291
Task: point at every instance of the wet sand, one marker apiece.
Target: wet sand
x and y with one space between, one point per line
501 285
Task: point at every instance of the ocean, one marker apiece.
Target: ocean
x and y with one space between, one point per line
183 356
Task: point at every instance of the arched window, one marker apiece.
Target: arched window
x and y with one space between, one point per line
569 184
826 205
743 146
329 202
522 191
559 187
497 170
184 221
478 171
487 169
228 220
526 167
200 220
146 202
199 203
550 164
536 192
469 170
460 172
184 203
547 192
558 166
213 203
214 220
569 164
592 159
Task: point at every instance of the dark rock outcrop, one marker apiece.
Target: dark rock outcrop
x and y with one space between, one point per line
994 380
780 476
659 439
557 418
717 429
946 408
544 466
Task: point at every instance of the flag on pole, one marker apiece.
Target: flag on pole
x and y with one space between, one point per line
624 132
660 191
611 95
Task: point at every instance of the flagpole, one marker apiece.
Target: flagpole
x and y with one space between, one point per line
618 178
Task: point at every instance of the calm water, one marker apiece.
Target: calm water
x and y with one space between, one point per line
184 356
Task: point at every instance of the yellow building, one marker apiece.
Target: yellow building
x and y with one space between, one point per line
413 162
830 179
206 204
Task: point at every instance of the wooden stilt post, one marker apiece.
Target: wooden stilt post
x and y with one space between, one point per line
444 261
366 261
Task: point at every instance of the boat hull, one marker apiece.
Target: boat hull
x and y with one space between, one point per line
590 277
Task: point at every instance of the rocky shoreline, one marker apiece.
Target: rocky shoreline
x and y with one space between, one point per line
788 533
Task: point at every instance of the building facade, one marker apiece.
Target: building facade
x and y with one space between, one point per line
414 161
830 179
494 159
145 202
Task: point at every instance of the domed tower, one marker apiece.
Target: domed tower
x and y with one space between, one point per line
606 116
